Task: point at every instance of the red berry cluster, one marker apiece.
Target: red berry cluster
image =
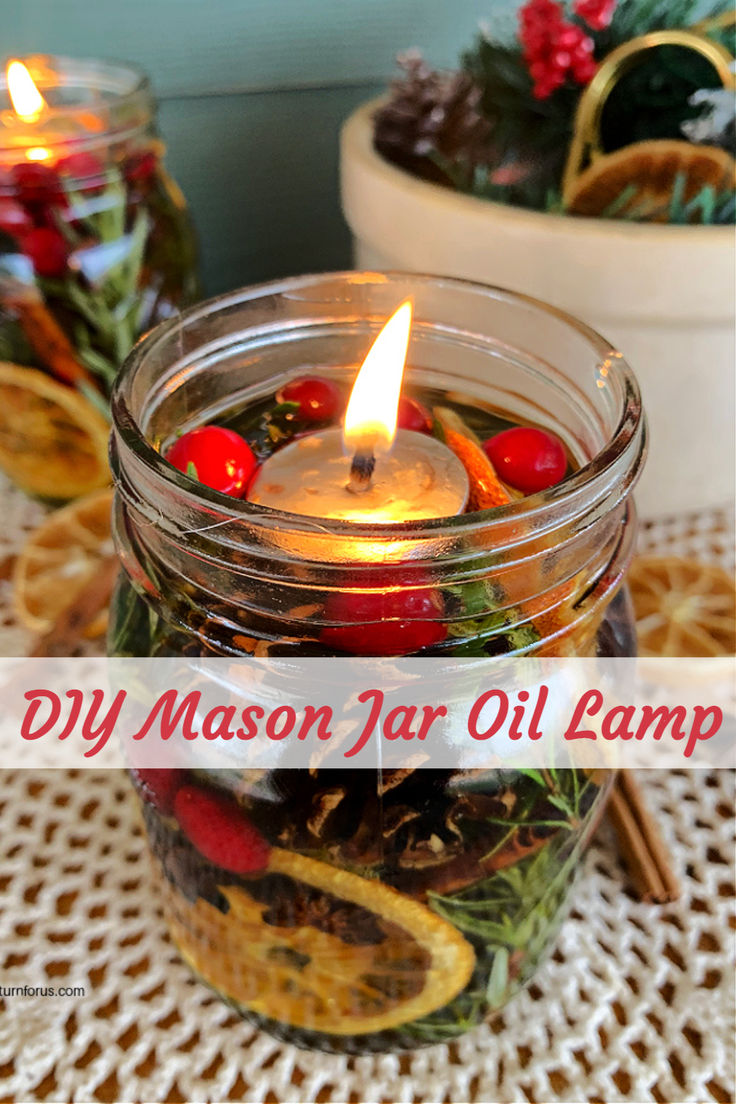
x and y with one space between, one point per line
555 50
29 217
596 13
34 203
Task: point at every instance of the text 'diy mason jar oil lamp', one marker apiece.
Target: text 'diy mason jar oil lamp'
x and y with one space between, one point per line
95 248
259 512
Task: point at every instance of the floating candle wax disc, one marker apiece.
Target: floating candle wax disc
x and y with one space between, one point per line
418 478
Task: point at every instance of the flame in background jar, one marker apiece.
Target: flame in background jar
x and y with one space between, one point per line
372 412
27 101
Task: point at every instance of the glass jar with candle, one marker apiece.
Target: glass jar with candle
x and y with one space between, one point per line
96 247
436 891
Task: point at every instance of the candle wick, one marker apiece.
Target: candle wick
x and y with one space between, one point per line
361 471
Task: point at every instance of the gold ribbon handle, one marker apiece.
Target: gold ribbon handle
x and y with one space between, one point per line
585 145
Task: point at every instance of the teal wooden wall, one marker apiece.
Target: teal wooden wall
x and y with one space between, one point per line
251 95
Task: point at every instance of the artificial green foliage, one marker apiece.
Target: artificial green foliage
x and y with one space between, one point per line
535 133
707 208
501 72
632 18
530 137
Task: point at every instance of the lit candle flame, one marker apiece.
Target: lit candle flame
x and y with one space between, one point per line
28 103
372 413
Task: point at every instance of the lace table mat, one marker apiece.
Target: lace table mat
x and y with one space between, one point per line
636 1002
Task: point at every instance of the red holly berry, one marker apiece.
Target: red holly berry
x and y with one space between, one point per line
320 400
215 456
48 250
159 786
215 824
36 184
596 13
412 415
554 49
583 67
527 458
14 219
375 623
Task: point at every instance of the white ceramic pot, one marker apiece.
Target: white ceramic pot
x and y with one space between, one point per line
663 295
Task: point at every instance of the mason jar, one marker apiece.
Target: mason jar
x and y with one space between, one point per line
96 244
436 892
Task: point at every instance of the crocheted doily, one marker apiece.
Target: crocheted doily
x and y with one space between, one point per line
636 1002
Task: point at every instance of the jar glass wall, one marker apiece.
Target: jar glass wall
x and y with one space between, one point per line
96 245
535 575
437 891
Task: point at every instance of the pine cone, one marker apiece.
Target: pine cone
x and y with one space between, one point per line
432 114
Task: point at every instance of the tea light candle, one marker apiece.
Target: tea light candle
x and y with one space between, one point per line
418 478
367 471
34 129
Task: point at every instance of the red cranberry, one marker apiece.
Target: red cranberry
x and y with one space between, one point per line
217 457
84 169
320 400
159 786
527 458
412 415
14 219
140 167
47 249
216 825
399 622
36 184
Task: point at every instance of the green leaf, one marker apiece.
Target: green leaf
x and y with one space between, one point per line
477 596
192 471
616 206
499 978
94 397
97 363
535 775
560 802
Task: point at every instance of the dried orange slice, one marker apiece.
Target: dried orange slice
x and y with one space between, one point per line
312 978
53 442
486 489
683 607
638 180
59 559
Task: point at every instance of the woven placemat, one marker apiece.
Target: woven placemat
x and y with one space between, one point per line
636 1002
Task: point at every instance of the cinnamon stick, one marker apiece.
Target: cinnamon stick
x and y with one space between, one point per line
49 341
65 635
640 842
